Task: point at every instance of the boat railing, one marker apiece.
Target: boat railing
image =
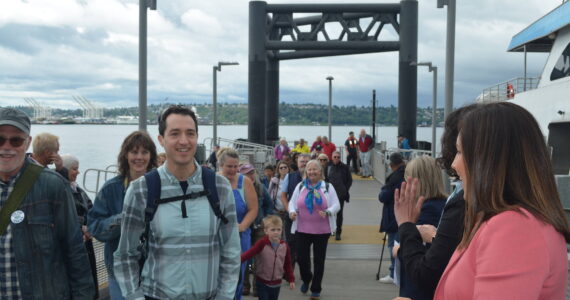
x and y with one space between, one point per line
101 175
507 90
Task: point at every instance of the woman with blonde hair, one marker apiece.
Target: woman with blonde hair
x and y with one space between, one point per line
312 208
245 198
425 169
515 235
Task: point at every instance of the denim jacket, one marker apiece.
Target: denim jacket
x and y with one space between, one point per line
104 219
48 245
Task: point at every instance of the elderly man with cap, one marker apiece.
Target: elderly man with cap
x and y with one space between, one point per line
265 209
388 224
41 247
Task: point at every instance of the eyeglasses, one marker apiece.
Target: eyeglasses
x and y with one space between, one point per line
323 159
14 141
283 168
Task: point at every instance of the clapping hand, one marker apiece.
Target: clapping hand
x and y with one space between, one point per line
406 208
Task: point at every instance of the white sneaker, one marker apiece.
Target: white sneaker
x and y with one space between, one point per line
386 279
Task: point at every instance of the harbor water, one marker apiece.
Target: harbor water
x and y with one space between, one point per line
97 146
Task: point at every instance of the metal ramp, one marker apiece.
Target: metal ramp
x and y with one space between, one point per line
258 155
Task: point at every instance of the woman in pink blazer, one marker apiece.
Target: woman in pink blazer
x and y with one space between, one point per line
514 242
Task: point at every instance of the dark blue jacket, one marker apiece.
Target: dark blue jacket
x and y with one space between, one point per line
294 179
104 219
48 245
265 205
386 196
430 214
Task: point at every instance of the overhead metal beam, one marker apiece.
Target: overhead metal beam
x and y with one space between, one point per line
333 8
333 45
321 53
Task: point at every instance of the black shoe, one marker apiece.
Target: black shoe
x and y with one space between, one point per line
337 237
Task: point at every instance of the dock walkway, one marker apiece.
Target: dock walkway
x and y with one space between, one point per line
352 263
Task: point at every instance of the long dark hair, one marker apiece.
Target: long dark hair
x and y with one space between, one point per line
507 167
133 141
449 138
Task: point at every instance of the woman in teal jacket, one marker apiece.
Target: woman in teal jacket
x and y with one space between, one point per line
137 156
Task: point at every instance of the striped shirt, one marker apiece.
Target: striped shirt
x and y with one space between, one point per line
197 257
9 286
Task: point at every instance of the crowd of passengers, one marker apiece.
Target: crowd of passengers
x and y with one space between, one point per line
175 229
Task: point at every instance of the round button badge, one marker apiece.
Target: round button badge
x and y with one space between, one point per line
17 217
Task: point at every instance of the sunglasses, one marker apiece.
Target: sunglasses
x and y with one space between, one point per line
322 159
336 156
14 141
282 168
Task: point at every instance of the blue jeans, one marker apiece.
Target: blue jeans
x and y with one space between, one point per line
265 292
392 236
366 169
114 289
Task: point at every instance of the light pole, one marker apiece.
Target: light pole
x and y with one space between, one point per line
216 69
330 79
450 54
143 5
434 102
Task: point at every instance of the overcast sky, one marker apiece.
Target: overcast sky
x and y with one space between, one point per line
53 50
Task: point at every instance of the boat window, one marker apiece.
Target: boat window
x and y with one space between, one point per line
562 67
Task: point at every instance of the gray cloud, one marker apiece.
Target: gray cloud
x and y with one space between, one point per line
90 48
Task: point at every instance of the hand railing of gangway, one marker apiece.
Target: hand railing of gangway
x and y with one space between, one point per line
101 175
256 154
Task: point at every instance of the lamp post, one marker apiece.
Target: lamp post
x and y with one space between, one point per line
330 79
216 69
434 102
450 54
143 5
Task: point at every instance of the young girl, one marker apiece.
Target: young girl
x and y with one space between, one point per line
272 260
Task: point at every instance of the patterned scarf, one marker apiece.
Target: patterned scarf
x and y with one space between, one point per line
313 194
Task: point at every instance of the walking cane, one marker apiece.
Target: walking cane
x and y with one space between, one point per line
381 256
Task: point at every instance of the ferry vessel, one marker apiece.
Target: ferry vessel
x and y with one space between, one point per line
546 97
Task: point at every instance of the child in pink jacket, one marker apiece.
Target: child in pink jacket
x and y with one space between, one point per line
272 260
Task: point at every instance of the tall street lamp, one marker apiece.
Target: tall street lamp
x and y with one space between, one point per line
216 69
450 54
330 79
434 102
143 5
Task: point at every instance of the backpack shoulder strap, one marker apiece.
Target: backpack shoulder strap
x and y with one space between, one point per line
152 179
209 183
21 189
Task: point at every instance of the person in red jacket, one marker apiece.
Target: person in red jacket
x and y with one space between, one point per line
328 147
272 260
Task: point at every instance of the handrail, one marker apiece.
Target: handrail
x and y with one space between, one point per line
508 89
106 172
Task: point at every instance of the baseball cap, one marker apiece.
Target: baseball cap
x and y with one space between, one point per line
15 117
246 168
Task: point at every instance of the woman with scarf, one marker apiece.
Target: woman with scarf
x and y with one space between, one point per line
312 208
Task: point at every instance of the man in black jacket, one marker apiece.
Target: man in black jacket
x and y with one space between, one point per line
388 223
338 174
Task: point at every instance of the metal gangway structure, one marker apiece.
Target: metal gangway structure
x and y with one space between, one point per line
41 112
257 155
